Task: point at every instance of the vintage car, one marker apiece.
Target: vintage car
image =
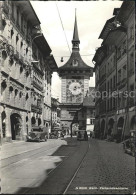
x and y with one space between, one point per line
82 135
53 135
37 134
129 145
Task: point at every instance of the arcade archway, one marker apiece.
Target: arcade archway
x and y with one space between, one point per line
16 126
3 118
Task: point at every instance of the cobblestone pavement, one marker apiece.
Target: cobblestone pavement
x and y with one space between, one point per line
105 166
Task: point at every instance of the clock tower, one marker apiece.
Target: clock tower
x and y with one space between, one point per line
75 76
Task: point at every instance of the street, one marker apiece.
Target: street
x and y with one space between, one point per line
66 166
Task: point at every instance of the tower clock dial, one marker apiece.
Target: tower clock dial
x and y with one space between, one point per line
75 88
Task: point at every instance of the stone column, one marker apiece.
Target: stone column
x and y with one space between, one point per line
8 124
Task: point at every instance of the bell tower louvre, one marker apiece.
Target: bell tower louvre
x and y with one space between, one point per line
75 76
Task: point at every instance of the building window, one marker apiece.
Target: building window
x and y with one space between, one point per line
91 121
12 8
17 38
119 53
16 93
119 75
20 95
124 71
21 70
22 23
26 50
12 33
10 91
108 86
111 84
132 32
17 17
27 97
114 102
124 48
3 87
119 102
131 61
114 81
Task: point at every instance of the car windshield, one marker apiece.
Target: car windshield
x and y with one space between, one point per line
38 129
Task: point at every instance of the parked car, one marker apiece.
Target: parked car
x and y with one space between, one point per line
37 134
53 135
129 145
82 135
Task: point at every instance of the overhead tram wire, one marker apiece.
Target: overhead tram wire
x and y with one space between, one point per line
69 56
63 28
66 36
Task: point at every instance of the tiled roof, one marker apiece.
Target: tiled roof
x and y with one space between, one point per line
81 63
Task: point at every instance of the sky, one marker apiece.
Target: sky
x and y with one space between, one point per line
91 18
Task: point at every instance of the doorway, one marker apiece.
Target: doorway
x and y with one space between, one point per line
16 126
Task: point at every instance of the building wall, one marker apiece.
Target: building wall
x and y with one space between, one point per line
116 118
25 86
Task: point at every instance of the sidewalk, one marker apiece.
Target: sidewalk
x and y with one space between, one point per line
20 147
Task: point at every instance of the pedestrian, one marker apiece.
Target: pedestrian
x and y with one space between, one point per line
85 136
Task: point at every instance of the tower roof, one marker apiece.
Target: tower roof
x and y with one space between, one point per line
81 63
75 61
75 34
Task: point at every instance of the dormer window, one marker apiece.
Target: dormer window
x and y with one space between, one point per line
75 62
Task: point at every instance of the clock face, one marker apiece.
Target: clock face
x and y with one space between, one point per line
75 88
75 62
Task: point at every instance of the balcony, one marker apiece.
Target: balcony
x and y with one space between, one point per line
37 85
36 108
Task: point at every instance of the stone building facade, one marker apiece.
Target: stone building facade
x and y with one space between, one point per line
115 75
25 71
55 114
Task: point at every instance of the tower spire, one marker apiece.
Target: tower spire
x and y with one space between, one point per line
75 40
